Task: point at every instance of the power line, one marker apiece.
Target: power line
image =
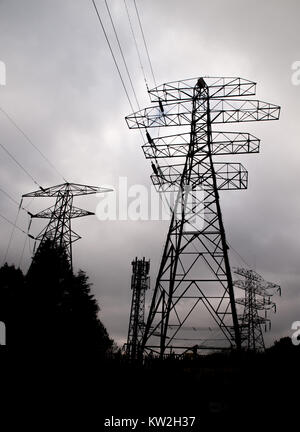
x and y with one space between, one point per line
19 205
11 235
114 58
16 202
23 250
16 226
112 53
136 45
145 44
236 252
27 238
28 205
20 166
122 54
9 196
13 122
125 63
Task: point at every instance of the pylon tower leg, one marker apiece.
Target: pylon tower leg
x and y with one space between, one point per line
177 279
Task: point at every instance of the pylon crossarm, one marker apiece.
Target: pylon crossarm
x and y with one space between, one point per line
223 143
221 111
75 212
229 176
74 189
218 87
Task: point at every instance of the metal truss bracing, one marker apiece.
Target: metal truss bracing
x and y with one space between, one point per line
220 87
140 282
222 143
74 189
194 288
256 304
59 230
228 176
221 111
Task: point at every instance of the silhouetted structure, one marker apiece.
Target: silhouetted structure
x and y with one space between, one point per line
59 229
194 282
11 294
139 285
257 302
51 310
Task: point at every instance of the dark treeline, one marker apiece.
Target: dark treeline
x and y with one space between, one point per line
50 309
57 345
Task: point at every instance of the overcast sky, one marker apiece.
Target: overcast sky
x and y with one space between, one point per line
63 90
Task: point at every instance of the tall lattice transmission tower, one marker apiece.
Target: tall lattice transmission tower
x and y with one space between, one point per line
140 282
257 303
59 230
194 283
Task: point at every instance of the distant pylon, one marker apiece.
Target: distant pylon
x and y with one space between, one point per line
256 301
194 283
139 285
59 230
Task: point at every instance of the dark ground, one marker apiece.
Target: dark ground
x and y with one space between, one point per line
235 392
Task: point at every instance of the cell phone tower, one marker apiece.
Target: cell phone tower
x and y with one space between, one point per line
194 283
257 303
140 282
59 229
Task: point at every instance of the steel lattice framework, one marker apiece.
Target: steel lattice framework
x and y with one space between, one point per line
256 302
59 229
139 285
194 283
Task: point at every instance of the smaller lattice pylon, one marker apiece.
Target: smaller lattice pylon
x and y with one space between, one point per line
140 282
257 303
59 230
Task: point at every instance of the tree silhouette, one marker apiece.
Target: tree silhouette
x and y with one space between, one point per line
51 309
11 288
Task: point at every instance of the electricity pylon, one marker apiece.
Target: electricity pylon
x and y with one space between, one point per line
59 230
139 285
257 302
194 282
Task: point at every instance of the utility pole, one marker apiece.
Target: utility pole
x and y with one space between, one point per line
59 230
257 302
140 282
194 283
